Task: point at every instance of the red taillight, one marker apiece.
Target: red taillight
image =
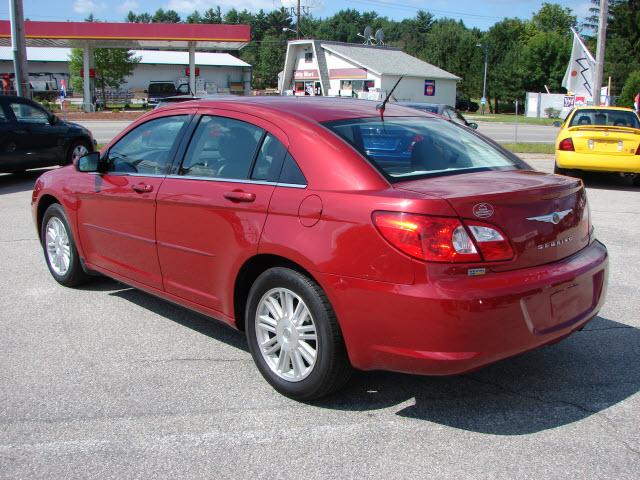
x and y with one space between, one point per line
566 145
491 242
434 239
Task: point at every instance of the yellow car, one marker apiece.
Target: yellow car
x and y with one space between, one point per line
600 139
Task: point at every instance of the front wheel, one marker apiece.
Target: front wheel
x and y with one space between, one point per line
294 336
59 248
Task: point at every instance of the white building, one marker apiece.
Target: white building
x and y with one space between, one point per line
315 67
215 72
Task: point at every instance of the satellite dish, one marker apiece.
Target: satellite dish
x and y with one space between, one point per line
367 35
379 37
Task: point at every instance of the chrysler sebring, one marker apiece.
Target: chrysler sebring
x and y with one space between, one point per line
336 234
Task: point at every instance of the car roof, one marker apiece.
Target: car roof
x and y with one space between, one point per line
317 109
593 107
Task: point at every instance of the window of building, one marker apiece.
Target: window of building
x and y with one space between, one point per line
308 57
147 148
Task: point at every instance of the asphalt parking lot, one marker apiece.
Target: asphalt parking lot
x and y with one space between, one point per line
108 382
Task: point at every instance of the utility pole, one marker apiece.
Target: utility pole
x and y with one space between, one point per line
602 39
298 22
21 74
485 47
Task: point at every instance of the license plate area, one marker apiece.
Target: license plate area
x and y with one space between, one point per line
559 306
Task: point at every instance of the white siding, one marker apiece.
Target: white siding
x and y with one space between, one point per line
411 89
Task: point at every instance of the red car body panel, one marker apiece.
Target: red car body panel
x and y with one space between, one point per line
186 242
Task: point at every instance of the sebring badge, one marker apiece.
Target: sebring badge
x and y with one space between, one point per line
483 210
554 217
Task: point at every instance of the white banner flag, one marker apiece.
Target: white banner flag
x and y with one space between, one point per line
580 72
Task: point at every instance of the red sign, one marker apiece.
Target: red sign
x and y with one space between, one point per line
304 74
430 88
347 73
92 72
187 71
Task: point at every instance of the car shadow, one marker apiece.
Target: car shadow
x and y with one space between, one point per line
607 181
588 372
19 182
188 318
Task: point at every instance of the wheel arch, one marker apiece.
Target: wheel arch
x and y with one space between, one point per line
250 270
44 202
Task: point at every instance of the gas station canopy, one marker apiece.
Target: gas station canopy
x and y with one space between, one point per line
147 36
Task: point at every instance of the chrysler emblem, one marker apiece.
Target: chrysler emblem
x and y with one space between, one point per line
554 217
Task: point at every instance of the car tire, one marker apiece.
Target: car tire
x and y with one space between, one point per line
59 248
77 149
636 180
302 356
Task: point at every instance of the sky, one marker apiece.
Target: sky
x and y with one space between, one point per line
474 13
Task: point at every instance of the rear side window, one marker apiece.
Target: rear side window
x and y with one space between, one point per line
147 148
291 173
269 159
221 148
404 148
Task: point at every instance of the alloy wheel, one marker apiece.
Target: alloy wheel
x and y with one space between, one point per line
286 334
58 247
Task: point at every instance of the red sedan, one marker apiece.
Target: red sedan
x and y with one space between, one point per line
336 235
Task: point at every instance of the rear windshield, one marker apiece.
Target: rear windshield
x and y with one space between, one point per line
610 118
404 148
162 89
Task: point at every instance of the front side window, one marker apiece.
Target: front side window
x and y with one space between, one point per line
405 148
605 117
221 148
26 113
147 148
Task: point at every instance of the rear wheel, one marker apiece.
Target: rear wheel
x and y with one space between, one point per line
636 180
77 149
559 171
294 336
59 248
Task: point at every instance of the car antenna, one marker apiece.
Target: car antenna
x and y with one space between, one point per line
382 105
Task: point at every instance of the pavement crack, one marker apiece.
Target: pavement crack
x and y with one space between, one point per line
16 240
164 360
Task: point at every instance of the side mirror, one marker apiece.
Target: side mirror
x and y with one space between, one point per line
89 162
557 124
473 125
53 119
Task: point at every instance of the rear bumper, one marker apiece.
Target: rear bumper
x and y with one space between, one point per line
453 325
598 162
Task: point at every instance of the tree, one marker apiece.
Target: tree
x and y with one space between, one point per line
111 65
271 55
630 90
623 42
194 17
165 16
553 18
212 16
544 61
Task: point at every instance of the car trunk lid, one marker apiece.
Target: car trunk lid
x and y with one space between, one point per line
522 204
605 140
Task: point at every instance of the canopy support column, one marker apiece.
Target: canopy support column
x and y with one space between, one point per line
86 81
192 67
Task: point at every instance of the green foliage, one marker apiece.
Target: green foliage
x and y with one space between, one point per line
112 65
554 18
630 90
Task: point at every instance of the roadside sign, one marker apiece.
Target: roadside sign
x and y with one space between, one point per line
569 101
483 101
430 88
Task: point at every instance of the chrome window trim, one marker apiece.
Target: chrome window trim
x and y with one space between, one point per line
236 180
206 179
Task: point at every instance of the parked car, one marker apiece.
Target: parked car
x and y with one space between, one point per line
268 213
446 111
163 102
600 139
466 105
33 137
158 90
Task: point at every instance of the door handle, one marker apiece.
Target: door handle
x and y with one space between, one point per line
240 196
142 188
